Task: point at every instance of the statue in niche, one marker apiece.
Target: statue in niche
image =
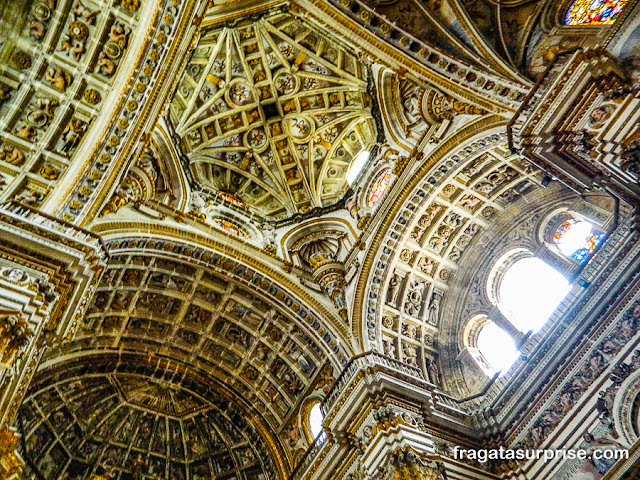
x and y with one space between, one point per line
351 205
198 201
434 308
389 348
269 234
410 354
393 289
433 371
14 335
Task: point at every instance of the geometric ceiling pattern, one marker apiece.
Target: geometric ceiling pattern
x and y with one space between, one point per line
273 112
130 426
471 201
57 71
176 372
208 323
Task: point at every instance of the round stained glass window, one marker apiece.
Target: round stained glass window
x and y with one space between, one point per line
594 12
230 228
577 239
379 188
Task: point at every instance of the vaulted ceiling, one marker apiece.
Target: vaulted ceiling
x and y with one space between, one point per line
273 112
209 144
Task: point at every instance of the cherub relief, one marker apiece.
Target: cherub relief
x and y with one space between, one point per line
58 78
12 155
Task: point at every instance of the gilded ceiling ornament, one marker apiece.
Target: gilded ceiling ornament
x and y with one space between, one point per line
131 5
14 335
49 172
5 93
21 60
10 462
92 96
78 31
11 154
276 117
57 78
439 107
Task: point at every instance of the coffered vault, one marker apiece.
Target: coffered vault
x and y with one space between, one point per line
218 215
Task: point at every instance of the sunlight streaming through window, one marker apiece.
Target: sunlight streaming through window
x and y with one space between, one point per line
497 347
529 293
356 166
315 420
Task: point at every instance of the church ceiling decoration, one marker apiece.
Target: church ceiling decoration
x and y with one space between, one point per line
273 113
209 322
506 27
130 421
495 92
432 249
56 73
137 104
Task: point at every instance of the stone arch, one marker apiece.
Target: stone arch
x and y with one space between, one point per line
116 412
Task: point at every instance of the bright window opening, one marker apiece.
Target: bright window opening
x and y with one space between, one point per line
315 421
356 166
497 347
577 239
530 291
594 12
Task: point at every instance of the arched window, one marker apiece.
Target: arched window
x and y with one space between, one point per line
316 416
379 188
577 239
357 165
496 347
230 228
489 345
594 12
529 292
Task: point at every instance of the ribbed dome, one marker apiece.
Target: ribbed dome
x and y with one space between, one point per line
274 113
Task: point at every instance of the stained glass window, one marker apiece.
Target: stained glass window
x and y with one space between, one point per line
231 199
594 12
577 239
379 187
230 227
